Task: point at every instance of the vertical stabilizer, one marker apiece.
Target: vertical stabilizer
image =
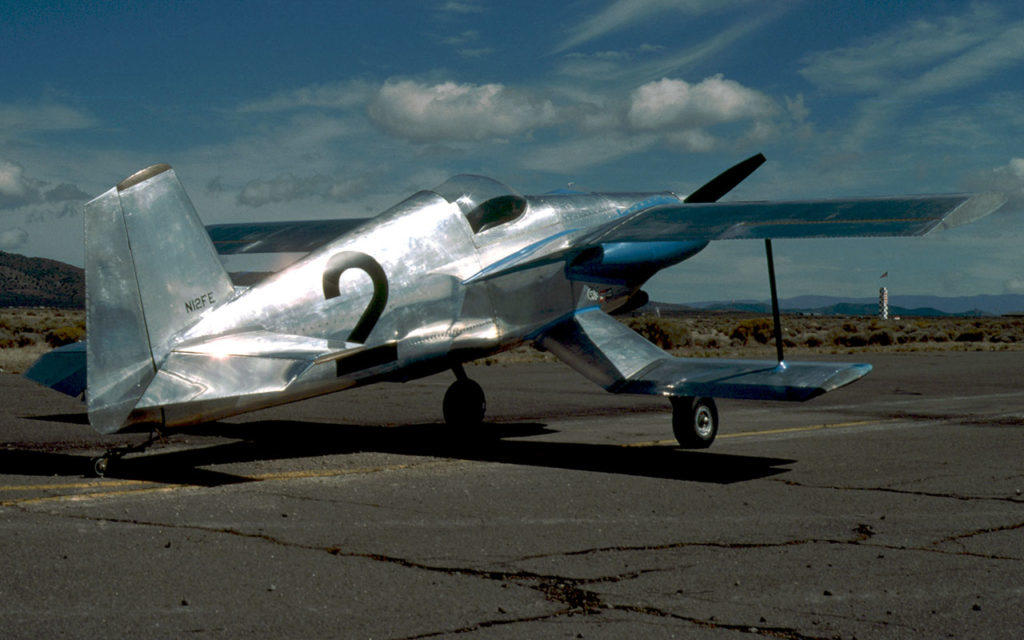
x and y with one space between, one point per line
150 271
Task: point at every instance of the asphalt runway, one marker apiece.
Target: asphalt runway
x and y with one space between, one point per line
892 508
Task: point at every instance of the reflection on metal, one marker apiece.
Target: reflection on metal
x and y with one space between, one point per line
446 276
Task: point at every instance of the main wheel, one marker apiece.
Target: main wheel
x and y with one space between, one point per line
464 404
694 422
100 466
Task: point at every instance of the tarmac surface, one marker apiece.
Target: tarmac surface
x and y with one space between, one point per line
892 508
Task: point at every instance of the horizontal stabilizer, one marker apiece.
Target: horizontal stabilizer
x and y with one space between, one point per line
62 369
254 363
278 237
620 360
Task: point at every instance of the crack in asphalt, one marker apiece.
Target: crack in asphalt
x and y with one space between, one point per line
910 492
864 533
562 590
979 532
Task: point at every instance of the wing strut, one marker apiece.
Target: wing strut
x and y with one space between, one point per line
775 299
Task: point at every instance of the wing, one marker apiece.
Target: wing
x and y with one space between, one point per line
620 360
683 222
278 237
857 217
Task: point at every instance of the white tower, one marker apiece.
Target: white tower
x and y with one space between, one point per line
883 303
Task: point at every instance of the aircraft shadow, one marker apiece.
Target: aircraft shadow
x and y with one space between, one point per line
282 439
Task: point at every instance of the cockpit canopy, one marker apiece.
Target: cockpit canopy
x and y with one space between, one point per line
485 202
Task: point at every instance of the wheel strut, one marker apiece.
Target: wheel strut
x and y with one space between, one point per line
101 465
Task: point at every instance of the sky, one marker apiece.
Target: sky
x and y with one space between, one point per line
302 110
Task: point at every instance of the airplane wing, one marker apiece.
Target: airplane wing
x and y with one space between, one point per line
684 222
622 361
853 217
278 237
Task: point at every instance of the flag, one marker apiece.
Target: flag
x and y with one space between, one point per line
884 275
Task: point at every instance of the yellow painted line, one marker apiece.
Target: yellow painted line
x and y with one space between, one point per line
813 427
744 434
328 473
280 475
72 485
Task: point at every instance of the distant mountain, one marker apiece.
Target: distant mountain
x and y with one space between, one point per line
904 305
39 282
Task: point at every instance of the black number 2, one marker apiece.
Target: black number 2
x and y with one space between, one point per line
341 262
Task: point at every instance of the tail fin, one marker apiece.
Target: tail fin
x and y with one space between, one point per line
150 271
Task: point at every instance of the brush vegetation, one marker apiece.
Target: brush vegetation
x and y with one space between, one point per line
27 333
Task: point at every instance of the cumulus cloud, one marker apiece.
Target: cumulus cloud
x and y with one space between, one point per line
677 104
11 239
287 188
457 112
1007 179
17 189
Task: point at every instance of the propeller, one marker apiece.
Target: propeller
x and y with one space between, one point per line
724 182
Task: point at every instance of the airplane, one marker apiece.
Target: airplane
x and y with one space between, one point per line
449 275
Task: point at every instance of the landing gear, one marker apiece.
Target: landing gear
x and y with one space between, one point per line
102 465
694 422
464 402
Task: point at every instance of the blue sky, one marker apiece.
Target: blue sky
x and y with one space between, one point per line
271 111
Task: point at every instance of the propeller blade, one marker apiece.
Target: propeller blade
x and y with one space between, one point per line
724 182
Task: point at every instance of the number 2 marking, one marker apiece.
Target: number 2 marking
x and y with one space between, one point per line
341 262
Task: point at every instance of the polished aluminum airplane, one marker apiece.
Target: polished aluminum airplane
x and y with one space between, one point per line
449 275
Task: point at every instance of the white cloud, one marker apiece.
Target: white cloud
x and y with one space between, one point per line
623 13
457 112
1007 179
581 153
926 58
673 104
11 239
18 189
461 6
345 95
1014 285
22 119
287 188
879 62
14 188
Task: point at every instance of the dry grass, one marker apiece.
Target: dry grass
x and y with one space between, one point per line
738 335
25 334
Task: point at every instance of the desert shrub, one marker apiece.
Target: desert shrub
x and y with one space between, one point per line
16 341
759 329
850 327
881 338
970 336
849 339
64 335
813 341
658 332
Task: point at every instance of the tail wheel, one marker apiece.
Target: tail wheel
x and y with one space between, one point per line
694 422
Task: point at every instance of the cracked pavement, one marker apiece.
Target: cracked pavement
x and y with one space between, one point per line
889 509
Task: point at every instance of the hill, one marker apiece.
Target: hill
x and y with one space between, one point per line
40 282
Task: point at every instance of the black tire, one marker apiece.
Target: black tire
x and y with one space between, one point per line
694 422
464 404
100 466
